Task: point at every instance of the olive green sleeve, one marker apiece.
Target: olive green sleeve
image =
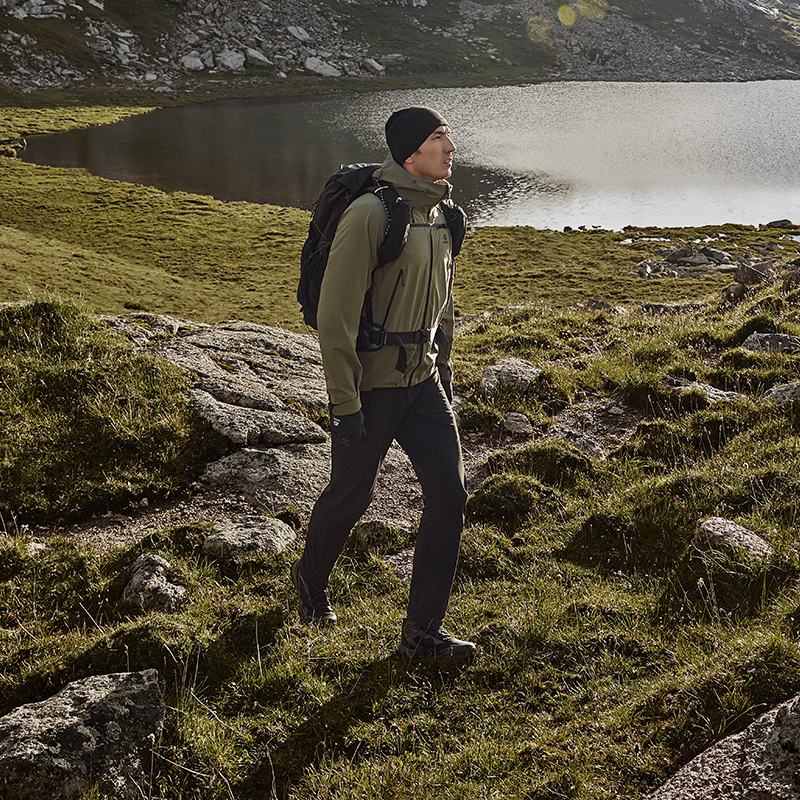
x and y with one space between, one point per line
348 276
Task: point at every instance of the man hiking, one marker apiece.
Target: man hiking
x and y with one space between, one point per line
385 334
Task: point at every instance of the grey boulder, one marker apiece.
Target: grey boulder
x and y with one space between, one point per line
99 730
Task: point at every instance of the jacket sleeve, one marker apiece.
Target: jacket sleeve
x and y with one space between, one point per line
348 276
444 363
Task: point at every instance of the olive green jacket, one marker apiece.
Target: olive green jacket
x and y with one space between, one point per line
414 292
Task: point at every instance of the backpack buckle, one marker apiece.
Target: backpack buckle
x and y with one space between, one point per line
371 338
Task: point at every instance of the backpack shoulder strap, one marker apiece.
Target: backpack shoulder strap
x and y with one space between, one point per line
398 216
457 222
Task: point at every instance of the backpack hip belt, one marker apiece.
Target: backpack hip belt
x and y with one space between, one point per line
375 337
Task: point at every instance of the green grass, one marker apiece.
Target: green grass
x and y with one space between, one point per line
116 244
583 688
607 662
88 423
610 653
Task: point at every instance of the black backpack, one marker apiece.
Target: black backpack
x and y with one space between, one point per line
339 191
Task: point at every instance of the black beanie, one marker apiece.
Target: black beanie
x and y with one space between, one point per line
407 129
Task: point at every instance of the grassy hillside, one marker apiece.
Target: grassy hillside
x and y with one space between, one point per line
612 650
123 246
126 246
88 423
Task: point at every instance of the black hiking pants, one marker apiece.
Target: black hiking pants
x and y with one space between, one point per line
419 418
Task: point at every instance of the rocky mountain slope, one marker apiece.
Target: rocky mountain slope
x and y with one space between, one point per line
177 46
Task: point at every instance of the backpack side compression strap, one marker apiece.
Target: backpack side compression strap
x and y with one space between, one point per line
457 222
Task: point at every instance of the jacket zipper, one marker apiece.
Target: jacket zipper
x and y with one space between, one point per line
420 347
401 279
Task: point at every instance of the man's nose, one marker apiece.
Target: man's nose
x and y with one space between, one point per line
450 146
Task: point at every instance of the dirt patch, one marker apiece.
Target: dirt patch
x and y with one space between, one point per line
595 425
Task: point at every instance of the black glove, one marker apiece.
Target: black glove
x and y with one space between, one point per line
448 391
348 428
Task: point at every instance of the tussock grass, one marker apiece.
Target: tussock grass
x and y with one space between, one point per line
612 652
88 423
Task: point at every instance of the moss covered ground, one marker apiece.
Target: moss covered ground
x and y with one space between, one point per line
609 657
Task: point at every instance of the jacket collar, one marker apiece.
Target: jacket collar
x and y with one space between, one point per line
415 191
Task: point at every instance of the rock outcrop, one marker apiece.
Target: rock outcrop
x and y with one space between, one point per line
149 587
722 535
784 393
289 476
510 373
772 343
97 731
247 365
681 387
241 538
760 763
259 386
686 261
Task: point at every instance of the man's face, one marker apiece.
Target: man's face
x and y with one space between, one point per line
434 159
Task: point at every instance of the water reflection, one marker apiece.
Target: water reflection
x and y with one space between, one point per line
606 154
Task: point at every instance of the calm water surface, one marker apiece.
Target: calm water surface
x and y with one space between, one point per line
604 154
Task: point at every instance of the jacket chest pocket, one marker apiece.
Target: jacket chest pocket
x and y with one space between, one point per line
426 246
408 290
420 243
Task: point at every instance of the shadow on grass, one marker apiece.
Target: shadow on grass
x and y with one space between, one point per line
324 734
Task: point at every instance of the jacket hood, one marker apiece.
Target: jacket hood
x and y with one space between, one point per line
416 191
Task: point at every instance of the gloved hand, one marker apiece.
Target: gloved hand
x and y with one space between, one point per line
348 428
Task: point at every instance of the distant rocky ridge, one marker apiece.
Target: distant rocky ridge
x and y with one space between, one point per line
268 40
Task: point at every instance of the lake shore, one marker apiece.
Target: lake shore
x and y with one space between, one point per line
124 247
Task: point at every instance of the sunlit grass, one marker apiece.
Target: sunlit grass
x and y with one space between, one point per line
606 663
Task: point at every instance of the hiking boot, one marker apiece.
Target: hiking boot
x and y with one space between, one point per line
433 642
314 606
